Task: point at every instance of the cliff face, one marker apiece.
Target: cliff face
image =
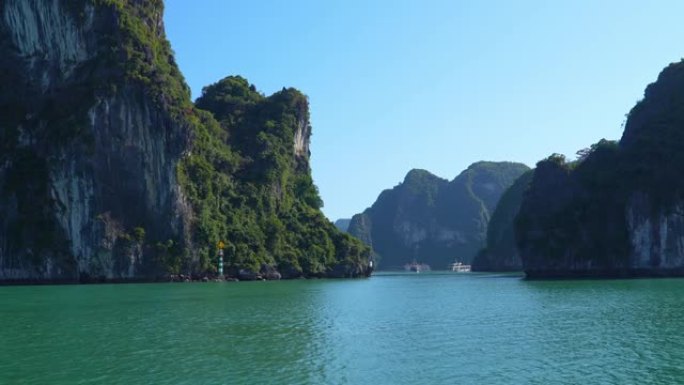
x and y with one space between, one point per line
432 220
82 166
616 212
501 252
656 235
100 171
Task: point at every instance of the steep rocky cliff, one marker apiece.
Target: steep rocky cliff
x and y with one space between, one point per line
618 210
432 220
88 154
100 144
501 252
268 207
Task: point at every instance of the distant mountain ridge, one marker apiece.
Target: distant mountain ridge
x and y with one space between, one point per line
343 224
432 220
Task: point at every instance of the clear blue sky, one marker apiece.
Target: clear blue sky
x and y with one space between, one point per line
433 84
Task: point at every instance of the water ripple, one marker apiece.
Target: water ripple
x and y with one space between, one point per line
391 329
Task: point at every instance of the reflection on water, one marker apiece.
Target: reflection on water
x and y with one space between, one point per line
390 329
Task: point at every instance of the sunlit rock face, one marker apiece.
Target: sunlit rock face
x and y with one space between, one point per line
657 238
49 40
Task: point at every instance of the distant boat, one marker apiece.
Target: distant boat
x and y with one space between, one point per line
458 267
417 267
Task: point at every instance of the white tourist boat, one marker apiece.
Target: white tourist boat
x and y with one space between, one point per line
459 267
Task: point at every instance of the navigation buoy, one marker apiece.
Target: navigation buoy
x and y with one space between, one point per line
220 245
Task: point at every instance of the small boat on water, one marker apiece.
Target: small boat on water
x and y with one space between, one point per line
459 267
417 267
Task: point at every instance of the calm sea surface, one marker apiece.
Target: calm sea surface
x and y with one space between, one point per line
390 329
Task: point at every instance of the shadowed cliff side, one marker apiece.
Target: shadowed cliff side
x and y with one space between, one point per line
501 252
617 211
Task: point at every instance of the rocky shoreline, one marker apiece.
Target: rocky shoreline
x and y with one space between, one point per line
266 273
181 278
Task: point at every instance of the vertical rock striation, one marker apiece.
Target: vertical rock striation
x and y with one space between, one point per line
89 155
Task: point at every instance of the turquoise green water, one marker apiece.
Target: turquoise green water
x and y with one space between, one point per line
390 329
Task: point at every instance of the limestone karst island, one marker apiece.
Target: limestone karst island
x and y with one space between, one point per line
110 172
503 186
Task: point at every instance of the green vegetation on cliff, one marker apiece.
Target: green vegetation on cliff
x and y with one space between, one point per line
154 181
252 187
246 185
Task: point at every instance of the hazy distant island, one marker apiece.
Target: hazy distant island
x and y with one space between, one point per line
108 171
343 224
430 220
618 211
